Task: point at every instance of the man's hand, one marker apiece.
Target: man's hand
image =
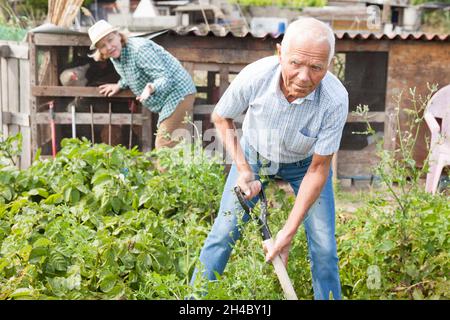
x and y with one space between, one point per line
148 90
249 186
109 89
281 246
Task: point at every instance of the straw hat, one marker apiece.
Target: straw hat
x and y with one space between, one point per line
100 29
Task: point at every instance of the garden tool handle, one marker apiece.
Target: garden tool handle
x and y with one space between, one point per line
282 274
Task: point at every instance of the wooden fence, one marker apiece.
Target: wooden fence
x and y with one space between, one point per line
14 95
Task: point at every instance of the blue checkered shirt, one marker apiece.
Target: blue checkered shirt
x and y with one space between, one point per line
143 61
280 131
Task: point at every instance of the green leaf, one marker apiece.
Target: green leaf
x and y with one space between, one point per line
82 188
57 261
101 178
412 271
67 194
116 158
74 196
41 242
116 203
107 282
7 194
54 199
387 245
417 294
38 191
38 255
22 293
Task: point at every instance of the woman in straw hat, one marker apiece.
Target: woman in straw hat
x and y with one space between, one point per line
157 79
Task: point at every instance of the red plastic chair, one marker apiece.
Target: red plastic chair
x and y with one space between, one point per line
438 107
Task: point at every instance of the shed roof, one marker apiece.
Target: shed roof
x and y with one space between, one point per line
217 32
421 36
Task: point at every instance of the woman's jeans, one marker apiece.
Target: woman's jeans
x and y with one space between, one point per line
319 226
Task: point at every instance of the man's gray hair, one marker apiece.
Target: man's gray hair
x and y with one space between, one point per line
309 28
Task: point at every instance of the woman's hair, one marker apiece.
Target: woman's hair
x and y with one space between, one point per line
97 56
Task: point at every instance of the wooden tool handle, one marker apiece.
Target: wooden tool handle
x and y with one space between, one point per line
282 274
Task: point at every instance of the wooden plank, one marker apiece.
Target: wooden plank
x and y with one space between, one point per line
362 45
13 92
147 130
48 70
43 39
33 100
15 118
4 85
189 66
204 108
170 41
18 50
24 108
371 117
222 56
211 83
85 118
58 91
53 68
357 162
5 51
224 80
235 68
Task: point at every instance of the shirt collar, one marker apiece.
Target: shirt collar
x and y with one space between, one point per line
309 97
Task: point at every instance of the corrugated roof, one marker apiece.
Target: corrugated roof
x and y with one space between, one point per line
218 31
393 36
339 35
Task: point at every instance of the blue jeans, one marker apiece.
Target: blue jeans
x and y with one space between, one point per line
319 226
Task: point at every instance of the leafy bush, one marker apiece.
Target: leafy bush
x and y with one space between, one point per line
99 221
397 246
12 33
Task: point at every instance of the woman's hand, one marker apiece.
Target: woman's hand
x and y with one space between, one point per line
148 90
109 89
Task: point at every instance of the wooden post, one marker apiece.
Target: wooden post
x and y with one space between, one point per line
211 83
13 91
224 82
4 86
24 69
33 100
147 130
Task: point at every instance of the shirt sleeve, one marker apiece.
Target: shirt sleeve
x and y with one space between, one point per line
122 83
329 137
150 61
236 98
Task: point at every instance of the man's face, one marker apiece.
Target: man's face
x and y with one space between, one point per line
303 65
110 45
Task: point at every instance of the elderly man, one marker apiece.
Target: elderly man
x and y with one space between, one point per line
296 111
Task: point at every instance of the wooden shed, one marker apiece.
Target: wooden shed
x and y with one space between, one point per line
374 68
